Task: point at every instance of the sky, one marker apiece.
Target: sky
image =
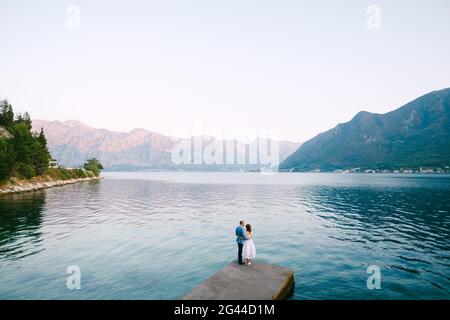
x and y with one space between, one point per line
296 68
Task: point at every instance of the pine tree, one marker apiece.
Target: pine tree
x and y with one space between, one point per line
42 139
6 114
25 119
41 154
6 158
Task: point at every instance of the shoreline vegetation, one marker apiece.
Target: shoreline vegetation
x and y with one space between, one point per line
25 161
55 177
344 171
444 170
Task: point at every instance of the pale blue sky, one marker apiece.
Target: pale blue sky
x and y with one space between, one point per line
299 67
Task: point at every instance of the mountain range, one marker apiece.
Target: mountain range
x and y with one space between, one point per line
72 142
412 136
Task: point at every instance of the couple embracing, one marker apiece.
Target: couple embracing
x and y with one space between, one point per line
246 247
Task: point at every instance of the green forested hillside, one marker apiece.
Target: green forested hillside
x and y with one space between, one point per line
22 153
413 136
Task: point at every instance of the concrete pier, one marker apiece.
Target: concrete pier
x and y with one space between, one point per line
239 282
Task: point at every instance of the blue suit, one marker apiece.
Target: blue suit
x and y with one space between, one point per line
241 237
240 234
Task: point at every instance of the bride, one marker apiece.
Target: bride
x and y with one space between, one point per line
249 250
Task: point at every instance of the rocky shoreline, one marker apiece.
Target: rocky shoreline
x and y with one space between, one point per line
39 185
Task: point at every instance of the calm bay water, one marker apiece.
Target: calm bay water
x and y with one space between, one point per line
158 235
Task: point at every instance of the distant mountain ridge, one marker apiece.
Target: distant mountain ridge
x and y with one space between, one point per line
412 136
72 142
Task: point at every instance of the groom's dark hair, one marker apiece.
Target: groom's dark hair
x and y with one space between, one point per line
241 222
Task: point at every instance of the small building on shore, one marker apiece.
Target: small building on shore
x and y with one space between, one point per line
53 163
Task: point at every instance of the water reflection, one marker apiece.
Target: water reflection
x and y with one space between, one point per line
20 224
158 235
405 229
419 217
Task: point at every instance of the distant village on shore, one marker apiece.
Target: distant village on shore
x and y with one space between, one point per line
446 169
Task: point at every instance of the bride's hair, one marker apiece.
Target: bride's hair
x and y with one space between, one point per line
248 227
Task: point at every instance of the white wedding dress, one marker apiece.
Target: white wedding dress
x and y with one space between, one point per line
249 250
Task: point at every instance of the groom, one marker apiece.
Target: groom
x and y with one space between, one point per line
240 234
